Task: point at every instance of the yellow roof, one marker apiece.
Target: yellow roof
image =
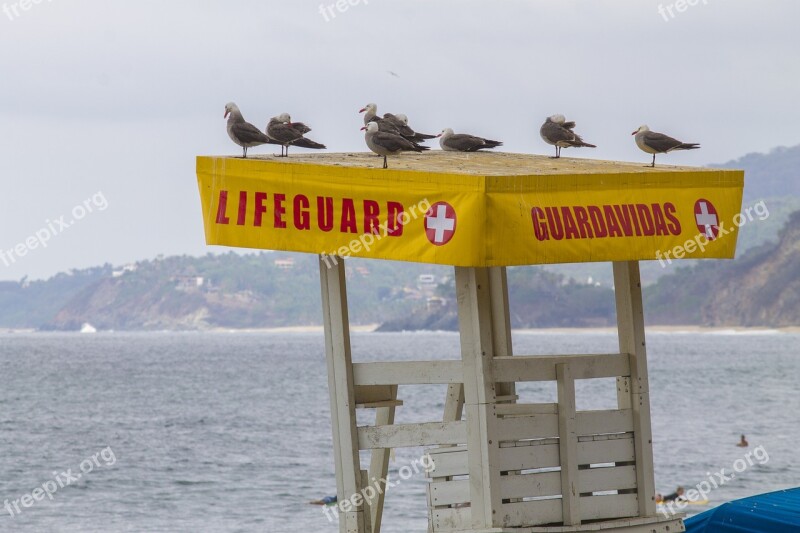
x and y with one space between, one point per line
480 209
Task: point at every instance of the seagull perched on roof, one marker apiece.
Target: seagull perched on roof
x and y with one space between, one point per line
386 144
558 132
242 132
658 143
283 131
397 124
461 142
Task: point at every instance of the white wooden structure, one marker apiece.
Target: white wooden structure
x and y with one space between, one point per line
500 465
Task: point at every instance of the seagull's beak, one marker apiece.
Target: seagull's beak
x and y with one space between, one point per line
362 109
226 114
635 132
438 135
364 128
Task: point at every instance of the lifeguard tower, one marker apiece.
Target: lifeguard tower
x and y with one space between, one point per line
500 465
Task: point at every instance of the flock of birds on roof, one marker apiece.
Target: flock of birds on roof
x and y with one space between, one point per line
391 135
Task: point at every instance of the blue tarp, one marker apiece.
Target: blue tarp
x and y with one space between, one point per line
774 512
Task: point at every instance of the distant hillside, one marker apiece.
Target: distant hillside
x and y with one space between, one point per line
772 175
538 299
761 288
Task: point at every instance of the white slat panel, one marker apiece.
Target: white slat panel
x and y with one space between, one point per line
613 449
611 478
449 462
448 492
407 373
598 422
526 409
531 513
531 485
527 427
543 367
528 457
410 435
608 507
459 519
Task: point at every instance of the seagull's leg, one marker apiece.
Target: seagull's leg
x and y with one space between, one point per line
654 161
287 150
385 163
244 152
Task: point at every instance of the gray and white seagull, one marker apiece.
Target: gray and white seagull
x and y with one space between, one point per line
386 144
558 132
283 131
242 132
658 143
461 142
397 124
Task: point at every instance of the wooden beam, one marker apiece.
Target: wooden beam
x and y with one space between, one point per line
410 435
342 392
379 462
543 367
568 446
635 392
408 373
480 393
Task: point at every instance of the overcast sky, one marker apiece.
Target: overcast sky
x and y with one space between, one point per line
118 97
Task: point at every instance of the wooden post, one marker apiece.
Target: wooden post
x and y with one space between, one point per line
477 352
634 393
568 446
342 391
379 465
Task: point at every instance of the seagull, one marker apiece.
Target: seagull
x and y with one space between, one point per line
461 142
558 132
658 143
241 132
283 131
397 124
385 144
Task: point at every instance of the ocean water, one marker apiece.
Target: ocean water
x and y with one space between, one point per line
230 431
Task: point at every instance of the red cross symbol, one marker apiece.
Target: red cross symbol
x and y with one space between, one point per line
707 221
440 223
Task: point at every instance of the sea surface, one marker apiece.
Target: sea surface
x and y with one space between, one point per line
230 432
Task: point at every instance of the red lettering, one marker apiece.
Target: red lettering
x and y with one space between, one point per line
611 220
395 211
261 197
554 221
658 218
675 224
539 225
648 228
302 219
635 220
348 217
624 218
599 225
279 210
371 221
242 218
325 213
583 222
222 208
570 230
